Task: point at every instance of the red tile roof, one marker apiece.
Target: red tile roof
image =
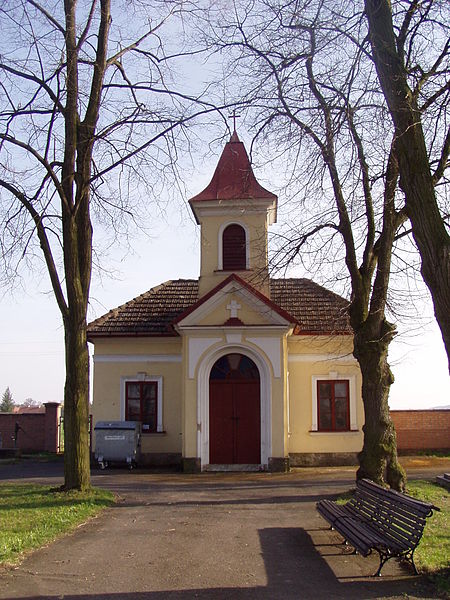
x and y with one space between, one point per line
317 310
233 178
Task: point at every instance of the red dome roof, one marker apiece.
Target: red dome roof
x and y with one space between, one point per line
233 178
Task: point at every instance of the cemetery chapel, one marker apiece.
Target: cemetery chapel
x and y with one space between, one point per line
234 370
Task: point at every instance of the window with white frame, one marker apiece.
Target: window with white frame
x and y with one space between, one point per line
142 401
234 248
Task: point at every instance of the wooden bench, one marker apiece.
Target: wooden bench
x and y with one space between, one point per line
379 519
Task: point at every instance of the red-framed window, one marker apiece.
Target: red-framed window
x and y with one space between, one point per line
333 405
141 403
234 248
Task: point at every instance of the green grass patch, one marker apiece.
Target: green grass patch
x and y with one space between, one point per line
431 453
34 515
433 551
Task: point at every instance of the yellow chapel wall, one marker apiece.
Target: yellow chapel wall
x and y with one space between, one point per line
143 358
321 357
303 359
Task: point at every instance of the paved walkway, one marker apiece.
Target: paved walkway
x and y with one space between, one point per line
208 536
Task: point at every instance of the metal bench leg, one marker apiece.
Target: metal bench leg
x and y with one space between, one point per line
383 560
384 557
410 558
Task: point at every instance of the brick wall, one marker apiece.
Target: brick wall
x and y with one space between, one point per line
38 431
422 429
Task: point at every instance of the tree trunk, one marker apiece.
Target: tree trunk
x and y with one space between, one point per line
416 180
378 458
430 236
76 406
77 267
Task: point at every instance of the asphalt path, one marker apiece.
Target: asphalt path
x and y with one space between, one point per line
207 536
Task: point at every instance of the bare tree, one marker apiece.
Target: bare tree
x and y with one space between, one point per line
308 81
89 118
29 403
411 83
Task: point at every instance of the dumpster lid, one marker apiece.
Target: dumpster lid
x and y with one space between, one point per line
117 425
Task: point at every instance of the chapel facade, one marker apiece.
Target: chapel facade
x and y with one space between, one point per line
235 370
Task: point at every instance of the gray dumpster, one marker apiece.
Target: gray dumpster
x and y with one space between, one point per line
117 441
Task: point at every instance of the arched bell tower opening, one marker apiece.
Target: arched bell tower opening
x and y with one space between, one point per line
234 248
234 411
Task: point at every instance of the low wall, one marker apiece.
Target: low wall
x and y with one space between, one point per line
422 429
36 432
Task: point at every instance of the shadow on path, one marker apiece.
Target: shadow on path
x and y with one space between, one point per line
295 569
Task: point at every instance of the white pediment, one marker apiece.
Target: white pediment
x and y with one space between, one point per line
234 304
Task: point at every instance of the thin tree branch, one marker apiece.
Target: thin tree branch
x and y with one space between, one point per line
36 80
443 161
45 245
47 15
41 160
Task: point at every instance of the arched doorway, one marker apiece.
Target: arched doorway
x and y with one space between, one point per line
234 411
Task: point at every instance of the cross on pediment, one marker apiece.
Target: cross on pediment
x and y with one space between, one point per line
233 307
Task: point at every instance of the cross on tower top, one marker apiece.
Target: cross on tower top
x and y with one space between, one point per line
234 116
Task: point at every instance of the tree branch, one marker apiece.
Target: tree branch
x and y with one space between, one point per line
87 27
443 161
47 15
36 80
45 245
41 160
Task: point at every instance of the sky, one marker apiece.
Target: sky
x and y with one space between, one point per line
31 332
31 339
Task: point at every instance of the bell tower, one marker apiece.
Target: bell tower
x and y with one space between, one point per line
234 212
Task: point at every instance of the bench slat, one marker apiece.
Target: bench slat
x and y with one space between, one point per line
393 496
388 519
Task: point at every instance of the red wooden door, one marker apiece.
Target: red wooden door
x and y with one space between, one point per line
221 423
235 422
248 423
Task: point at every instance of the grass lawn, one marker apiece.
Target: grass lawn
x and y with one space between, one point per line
34 515
432 554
